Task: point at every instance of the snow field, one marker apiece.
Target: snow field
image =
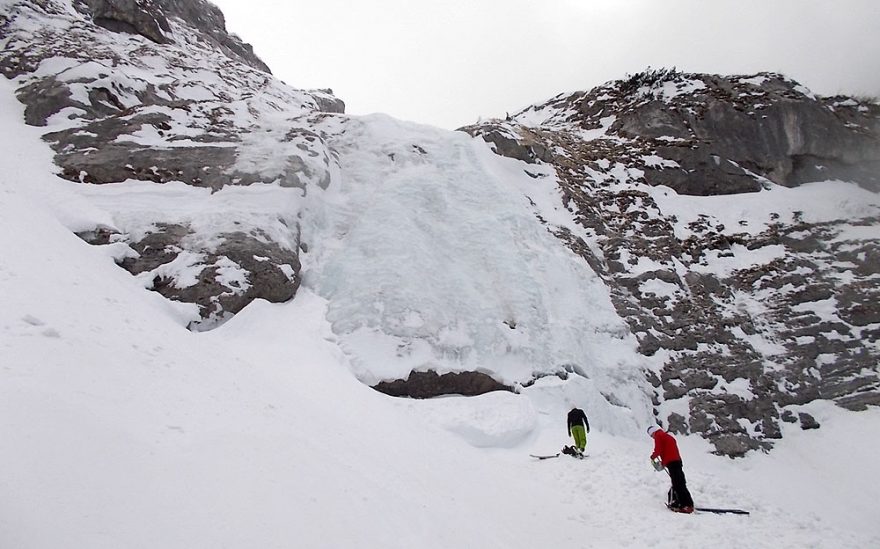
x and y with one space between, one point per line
118 428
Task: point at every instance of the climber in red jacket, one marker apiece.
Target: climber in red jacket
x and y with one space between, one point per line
666 449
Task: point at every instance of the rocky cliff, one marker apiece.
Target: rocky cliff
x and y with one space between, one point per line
794 315
158 91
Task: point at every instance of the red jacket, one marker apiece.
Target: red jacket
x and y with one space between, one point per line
665 447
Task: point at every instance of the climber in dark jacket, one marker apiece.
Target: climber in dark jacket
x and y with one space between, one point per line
578 427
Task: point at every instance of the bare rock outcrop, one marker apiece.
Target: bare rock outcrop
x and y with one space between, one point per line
431 384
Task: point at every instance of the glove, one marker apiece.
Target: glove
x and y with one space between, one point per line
658 465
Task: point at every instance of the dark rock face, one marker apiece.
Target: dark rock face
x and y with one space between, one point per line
53 96
242 268
742 350
98 152
717 135
429 384
210 22
150 19
228 276
135 16
521 145
173 99
808 421
327 102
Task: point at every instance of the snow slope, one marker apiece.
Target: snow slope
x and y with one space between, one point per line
119 428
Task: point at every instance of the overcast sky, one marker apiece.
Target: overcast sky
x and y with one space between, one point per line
448 63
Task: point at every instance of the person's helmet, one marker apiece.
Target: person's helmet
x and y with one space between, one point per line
652 429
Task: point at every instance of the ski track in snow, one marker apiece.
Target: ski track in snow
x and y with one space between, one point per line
118 428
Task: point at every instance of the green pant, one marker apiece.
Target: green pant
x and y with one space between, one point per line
580 436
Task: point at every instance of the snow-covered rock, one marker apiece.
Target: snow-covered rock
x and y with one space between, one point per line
157 91
713 209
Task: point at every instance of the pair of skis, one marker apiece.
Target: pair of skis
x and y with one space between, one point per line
567 450
556 455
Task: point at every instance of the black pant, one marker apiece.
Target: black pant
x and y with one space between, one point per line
680 495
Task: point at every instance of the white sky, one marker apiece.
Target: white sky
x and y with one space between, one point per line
447 63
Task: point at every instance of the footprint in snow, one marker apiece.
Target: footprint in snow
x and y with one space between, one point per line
35 322
32 320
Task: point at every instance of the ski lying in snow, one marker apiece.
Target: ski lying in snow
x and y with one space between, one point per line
555 456
712 510
721 511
